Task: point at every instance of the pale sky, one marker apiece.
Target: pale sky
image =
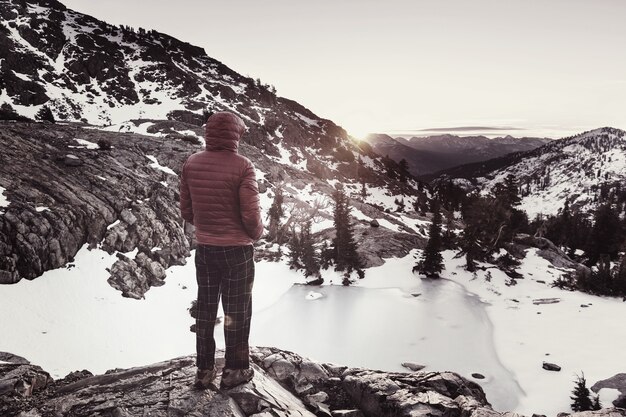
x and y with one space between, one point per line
549 67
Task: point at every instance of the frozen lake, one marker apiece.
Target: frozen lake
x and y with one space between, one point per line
444 328
72 319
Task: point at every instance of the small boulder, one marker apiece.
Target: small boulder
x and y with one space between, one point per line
551 367
413 366
478 376
374 223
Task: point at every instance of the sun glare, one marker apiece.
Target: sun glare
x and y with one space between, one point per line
359 133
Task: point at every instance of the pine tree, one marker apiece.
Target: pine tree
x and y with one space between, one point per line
431 262
580 397
363 190
45 114
389 166
310 258
276 212
403 170
295 250
344 247
619 281
448 238
507 192
606 235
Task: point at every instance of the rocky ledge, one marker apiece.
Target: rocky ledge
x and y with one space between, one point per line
284 384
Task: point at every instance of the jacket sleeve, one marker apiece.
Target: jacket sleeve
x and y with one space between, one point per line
186 209
249 206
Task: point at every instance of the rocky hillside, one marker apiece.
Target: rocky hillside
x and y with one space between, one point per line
144 96
63 187
284 384
584 169
430 154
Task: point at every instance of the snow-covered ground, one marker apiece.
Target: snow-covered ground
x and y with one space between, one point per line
580 333
74 320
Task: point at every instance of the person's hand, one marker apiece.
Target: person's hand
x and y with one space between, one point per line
188 228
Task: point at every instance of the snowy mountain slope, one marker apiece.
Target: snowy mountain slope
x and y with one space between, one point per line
583 169
430 154
87 70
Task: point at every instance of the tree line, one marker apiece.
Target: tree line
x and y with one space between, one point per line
597 239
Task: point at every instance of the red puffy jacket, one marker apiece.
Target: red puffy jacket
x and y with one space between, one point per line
219 194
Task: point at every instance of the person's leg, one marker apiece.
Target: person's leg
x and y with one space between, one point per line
209 279
237 303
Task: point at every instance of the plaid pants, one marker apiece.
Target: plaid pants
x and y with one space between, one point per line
226 271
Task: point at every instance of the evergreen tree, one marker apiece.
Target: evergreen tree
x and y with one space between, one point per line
363 190
343 246
578 232
431 262
326 255
580 397
45 114
310 258
276 212
389 166
403 170
619 281
606 234
507 192
295 250
484 232
448 238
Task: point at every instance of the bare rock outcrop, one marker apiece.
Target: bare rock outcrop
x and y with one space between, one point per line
547 250
284 384
617 382
116 198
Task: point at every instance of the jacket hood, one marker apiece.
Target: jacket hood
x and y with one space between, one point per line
223 131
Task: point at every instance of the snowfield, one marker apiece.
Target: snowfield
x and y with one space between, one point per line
580 333
567 170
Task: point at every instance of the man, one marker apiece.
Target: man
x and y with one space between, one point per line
220 197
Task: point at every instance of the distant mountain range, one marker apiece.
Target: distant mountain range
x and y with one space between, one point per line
430 154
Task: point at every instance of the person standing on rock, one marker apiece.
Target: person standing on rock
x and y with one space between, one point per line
219 195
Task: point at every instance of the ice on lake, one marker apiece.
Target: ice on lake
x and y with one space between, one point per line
442 326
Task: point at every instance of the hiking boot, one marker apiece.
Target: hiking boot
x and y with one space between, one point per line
233 377
204 378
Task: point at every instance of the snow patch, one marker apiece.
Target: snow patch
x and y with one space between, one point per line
155 164
307 120
4 202
112 225
86 144
313 296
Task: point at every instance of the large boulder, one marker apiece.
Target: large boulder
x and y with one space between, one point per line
617 382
